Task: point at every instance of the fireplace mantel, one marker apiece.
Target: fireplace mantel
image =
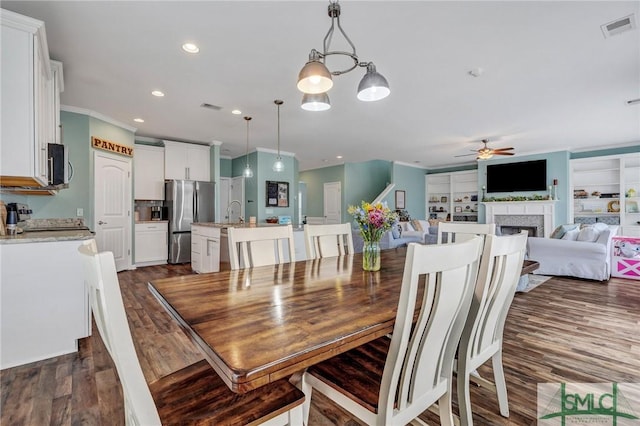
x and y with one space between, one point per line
544 208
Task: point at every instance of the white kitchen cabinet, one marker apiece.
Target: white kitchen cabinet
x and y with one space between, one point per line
186 161
205 249
30 112
151 243
44 308
148 169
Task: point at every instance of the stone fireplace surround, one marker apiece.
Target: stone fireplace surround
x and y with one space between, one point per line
525 214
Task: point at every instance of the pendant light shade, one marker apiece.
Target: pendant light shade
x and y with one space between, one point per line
316 102
248 173
373 85
278 166
314 77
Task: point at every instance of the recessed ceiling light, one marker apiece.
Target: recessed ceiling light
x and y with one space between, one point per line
138 120
157 93
236 112
190 48
338 156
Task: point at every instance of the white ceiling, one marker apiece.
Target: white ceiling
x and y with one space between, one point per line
551 81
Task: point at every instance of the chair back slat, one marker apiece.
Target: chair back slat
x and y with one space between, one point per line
328 240
457 232
497 280
419 363
260 246
101 279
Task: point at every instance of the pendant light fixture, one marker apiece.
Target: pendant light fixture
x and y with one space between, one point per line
315 102
248 173
315 78
278 166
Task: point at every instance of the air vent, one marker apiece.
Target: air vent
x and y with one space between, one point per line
211 106
619 26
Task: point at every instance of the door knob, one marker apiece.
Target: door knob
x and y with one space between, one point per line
101 222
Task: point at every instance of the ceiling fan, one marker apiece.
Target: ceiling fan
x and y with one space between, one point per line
485 152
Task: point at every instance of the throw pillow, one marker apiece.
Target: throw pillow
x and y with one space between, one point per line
571 235
416 225
559 232
588 234
396 230
434 222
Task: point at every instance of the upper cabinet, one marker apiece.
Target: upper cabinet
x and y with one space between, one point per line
148 169
186 161
605 189
453 195
30 114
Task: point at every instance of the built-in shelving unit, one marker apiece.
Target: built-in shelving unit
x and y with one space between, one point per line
453 195
607 189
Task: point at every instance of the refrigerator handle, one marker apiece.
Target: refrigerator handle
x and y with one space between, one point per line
195 205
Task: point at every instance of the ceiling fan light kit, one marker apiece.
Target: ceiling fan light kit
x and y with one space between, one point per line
316 79
486 153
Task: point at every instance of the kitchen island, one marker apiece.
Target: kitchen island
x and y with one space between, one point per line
210 245
44 304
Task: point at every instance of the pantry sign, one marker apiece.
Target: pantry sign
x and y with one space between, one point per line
111 146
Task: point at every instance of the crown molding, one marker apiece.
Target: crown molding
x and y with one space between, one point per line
274 151
97 115
416 166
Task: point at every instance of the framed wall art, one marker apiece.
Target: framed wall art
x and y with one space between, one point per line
277 194
400 200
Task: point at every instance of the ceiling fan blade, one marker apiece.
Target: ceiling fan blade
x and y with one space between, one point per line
503 149
465 155
503 153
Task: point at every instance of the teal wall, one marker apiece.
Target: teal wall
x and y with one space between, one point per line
226 167
78 129
364 182
607 151
315 180
557 168
411 180
255 188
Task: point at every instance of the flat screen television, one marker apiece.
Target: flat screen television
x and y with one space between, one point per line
522 176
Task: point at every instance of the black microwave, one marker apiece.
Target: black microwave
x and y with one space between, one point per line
57 164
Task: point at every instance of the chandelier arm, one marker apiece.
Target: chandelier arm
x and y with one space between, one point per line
351 55
326 42
353 47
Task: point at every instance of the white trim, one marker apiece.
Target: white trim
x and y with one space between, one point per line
545 208
190 142
226 157
148 140
97 115
275 151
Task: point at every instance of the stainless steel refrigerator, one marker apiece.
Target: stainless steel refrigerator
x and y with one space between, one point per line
187 201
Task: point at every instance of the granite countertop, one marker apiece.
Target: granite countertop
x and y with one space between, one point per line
46 236
240 225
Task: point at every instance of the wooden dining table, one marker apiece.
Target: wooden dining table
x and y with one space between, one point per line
261 324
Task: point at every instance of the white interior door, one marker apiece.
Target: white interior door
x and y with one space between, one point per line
112 206
332 202
225 185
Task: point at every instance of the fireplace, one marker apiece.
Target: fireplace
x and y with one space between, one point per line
510 230
512 216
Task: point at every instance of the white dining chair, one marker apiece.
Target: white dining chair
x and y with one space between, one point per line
260 246
481 340
192 395
457 232
391 381
328 240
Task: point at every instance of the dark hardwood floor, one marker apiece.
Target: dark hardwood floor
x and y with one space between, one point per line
565 330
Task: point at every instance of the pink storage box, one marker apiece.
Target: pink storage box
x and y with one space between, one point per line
625 257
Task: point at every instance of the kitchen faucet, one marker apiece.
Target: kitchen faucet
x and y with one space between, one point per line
240 219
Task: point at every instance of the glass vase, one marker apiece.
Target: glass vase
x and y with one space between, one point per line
371 256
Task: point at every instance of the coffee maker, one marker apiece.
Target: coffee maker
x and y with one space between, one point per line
156 212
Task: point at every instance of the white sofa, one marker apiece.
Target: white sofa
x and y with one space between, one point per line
567 257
